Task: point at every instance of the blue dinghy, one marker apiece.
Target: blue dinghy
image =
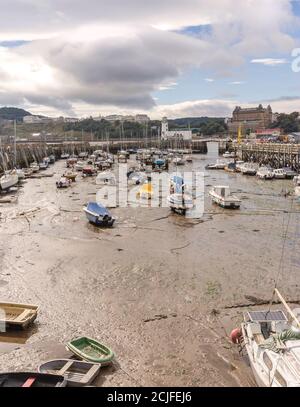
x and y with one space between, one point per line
98 214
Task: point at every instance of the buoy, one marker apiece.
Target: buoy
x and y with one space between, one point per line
236 336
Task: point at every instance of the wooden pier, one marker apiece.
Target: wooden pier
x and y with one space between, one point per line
27 152
271 154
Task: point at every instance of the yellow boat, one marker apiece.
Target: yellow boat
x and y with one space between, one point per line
146 192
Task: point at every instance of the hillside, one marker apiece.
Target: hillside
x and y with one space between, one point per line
13 113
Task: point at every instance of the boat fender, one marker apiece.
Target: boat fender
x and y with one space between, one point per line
236 336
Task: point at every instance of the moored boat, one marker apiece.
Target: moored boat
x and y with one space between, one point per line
222 196
265 173
17 315
70 175
178 160
20 173
63 182
35 167
31 379
238 165
272 343
8 180
146 191
219 165
279 173
289 173
248 169
91 350
106 178
98 214
228 154
77 373
79 165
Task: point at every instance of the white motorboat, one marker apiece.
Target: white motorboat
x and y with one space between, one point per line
28 172
265 173
227 154
34 166
238 165
106 178
221 195
20 174
289 173
43 165
279 173
8 180
137 178
178 161
63 183
180 202
273 345
79 165
83 154
65 156
219 165
189 159
248 169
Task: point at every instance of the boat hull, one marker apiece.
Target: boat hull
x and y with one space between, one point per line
7 182
99 220
32 379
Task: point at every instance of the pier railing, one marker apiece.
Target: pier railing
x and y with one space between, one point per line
272 154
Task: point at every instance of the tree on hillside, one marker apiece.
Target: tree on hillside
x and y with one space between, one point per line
289 123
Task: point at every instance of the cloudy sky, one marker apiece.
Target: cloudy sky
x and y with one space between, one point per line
161 57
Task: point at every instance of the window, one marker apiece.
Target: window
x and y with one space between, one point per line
267 361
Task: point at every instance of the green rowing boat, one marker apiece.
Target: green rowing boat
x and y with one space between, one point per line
91 350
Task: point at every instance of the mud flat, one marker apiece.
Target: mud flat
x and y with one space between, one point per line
156 288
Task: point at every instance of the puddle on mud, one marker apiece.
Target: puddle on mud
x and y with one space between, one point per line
15 338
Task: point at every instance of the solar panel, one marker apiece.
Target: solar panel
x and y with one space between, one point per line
266 316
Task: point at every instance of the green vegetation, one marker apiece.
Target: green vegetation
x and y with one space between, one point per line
203 125
13 113
288 122
102 129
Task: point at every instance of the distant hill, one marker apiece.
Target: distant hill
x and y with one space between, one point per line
13 113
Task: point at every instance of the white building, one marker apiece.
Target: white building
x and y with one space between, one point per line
166 134
32 119
142 118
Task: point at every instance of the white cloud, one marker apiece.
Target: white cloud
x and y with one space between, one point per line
107 53
209 80
269 61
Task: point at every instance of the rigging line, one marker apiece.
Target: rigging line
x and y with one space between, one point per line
281 267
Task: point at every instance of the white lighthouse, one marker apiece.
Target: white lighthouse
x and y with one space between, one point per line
164 128
180 134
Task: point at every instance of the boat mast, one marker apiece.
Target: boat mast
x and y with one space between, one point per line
287 307
15 145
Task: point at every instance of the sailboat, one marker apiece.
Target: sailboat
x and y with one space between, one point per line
8 180
272 343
